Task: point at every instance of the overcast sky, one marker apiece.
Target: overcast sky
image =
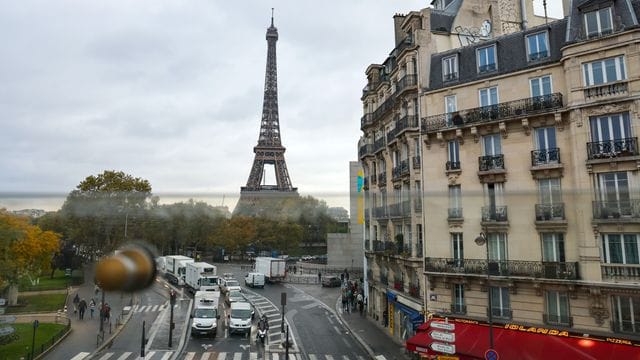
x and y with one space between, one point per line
171 91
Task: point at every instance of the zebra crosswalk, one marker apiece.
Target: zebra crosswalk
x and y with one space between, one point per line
151 308
212 355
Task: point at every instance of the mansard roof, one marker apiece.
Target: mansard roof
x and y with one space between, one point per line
625 16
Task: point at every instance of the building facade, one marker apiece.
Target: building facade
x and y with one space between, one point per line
391 148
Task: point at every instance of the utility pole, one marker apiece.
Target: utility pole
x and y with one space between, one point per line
172 301
286 344
33 340
283 302
143 342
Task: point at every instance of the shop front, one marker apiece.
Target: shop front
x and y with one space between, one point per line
404 316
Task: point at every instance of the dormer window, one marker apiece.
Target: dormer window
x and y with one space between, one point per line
487 59
598 22
450 68
537 46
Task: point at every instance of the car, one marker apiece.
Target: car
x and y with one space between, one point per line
332 281
240 317
234 296
229 284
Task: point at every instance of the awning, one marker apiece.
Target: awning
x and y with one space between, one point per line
526 343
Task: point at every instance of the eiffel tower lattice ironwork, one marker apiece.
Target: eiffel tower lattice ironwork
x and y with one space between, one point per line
269 150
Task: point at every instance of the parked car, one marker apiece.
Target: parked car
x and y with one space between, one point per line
331 282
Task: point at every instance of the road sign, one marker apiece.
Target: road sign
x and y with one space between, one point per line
491 354
443 348
442 325
442 336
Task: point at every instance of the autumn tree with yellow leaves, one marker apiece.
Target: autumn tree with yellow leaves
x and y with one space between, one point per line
25 251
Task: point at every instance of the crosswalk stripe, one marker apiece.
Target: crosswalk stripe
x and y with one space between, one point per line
222 356
253 356
189 356
81 356
167 355
345 357
106 356
149 355
124 356
237 356
141 308
312 357
205 356
328 357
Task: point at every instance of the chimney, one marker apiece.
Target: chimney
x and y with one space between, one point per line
399 34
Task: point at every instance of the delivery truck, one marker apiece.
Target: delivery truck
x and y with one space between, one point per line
175 269
272 268
201 276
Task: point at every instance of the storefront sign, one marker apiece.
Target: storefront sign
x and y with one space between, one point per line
391 318
442 336
537 330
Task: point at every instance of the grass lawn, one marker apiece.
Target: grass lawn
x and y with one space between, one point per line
22 346
59 281
37 303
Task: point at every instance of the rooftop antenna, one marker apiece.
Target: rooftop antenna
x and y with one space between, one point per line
544 4
272 16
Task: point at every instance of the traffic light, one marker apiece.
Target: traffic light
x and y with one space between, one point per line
132 268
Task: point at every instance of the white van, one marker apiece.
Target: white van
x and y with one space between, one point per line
205 313
254 280
240 318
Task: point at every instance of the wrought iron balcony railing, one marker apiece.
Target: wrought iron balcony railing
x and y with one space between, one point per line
401 170
450 76
407 122
629 209
366 120
491 162
378 246
394 210
383 109
545 156
502 111
378 145
452 165
620 271
558 319
486 68
405 82
458 309
416 162
549 212
538 56
494 213
366 149
406 43
604 90
382 178
380 212
519 268
455 213
501 313
616 148
625 326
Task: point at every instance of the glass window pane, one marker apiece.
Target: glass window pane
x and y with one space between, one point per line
535 87
605 20
598 77
621 67
610 68
546 85
591 23
614 249
631 249
494 95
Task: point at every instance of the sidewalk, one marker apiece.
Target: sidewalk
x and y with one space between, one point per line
375 338
83 337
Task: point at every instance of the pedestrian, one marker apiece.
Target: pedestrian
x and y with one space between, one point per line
345 306
76 301
385 317
96 289
342 277
319 277
92 307
106 312
360 301
295 269
346 274
82 307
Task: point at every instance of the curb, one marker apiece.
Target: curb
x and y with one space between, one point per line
42 354
109 341
183 337
366 346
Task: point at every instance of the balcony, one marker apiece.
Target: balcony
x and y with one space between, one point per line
378 145
606 90
622 210
538 56
450 77
490 163
407 122
560 320
494 214
545 157
517 268
366 149
458 309
521 108
618 272
380 212
486 68
383 109
405 44
500 313
401 170
416 162
455 214
452 165
382 179
378 246
404 83
366 120
549 212
625 326
617 148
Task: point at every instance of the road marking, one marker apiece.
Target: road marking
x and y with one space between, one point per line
124 356
328 357
141 308
237 356
276 315
222 356
270 311
205 356
106 356
81 356
149 355
312 357
336 329
190 355
310 306
167 355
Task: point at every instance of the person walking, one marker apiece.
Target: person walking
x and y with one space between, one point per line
319 277
360 301
92 307
82 307
107 312
345 306
76 301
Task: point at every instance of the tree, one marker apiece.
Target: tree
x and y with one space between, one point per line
105 208
25 251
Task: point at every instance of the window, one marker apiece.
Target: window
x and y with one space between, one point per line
540 86
620 248
500 304
552 247
487 59
497 243
450 106
537 46
549 191
547 151
453 155
598 23
557 308
491 144
604 71
493 200
450 68
610 135
455 202
626 314
457 248
488 96
457 305
613 193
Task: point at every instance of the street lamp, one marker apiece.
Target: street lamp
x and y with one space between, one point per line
481 240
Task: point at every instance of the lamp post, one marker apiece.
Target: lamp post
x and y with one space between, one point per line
481 240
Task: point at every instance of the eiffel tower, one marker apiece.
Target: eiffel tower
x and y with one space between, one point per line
269 150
